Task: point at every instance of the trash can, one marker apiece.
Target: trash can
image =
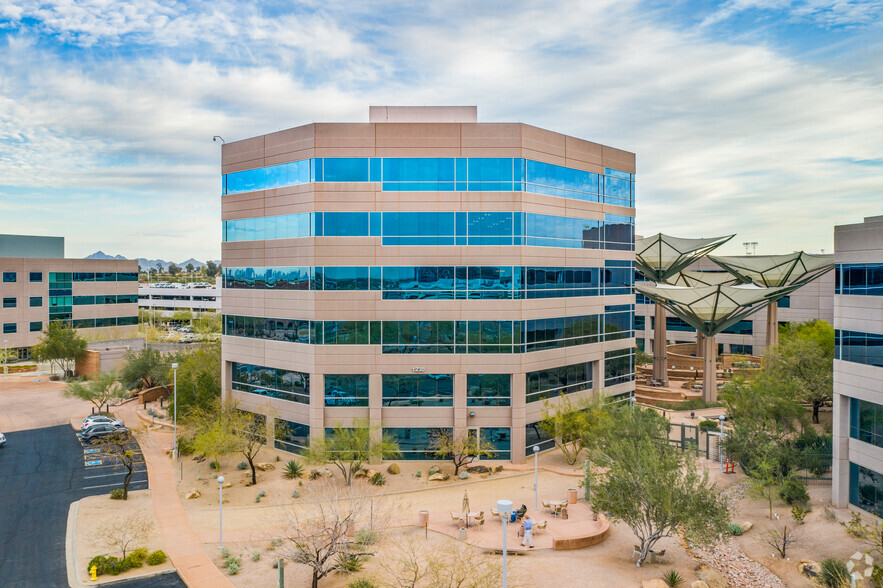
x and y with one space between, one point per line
423 518
462 533
571 496
564 513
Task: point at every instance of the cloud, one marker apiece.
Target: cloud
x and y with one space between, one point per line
730 137
826 13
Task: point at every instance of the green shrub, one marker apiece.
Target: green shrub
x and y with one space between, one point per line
134 562
794 492
799 513
834 573
102 563
185 446
362 583
277 458
232 562
349 563
157 557
693 404
139 554
225 553
672 578
418 473
877 577
213 465
116 494
293 470
256 556
242 465
366 537
735 529
295 494
262 493
378 479
709 425
232 568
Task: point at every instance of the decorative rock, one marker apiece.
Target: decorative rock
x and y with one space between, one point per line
360 473
809 568
699 584
464 475
654 583
265 467
746 526
370 474
497 469
869 572
869 561
479 469
227 485
850 565
713 578
194 493
438 477
198 456
394 469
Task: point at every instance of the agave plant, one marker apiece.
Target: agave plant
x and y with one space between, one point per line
672 578
293 470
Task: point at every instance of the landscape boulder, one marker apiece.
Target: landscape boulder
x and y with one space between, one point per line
809 568
654 583
227 485
265 466
370 474
394 469
438 477
746 526
479 469
699 584
464 475
194 493
712 577
360 473
198 456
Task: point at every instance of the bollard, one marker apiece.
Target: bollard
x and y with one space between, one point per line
145 405
281 573
160 402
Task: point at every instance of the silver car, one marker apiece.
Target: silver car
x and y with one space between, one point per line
2 440
101 420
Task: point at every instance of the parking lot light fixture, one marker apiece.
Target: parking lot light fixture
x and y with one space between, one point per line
220 512
175 384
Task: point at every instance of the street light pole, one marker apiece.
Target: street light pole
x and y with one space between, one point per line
175 369
220 512
536 454
722 418
5 357
504 507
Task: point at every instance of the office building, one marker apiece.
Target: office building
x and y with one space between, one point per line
858 366
99 297
425 272
166 298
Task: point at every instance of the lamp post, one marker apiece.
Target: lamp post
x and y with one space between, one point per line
722 418
175 370
505 509
536 455
220 512
5 357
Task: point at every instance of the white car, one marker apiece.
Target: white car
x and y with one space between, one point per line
2 440
101 420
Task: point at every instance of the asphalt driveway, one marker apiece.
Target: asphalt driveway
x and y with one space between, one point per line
42 471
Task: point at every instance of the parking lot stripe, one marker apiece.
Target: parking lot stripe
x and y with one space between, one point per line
113 474
118 484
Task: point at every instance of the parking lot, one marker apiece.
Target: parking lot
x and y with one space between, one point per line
43 469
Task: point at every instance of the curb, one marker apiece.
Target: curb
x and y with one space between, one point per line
71 557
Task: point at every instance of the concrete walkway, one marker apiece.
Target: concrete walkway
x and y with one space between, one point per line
182 544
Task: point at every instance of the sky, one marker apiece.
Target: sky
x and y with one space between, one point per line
762 118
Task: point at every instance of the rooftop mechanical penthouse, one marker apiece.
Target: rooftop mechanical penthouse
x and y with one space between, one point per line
425 271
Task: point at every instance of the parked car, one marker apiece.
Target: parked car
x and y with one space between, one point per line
2 440
100 420
102 431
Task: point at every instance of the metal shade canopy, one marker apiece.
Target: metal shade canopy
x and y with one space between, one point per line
711 309
772 271
661 256
692 279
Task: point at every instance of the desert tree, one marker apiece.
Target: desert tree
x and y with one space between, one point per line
148 366
99 391
574 424
413 563
805 356
126 532
60 345
652 487
320 533
780 538
765 474
869 533
250 431
461 448
212 430
347 448
118 446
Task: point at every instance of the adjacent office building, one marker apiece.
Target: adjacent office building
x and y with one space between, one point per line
858 366
38 286
425 272
168 297
810 302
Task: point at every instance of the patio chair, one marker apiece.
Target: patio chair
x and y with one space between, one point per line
479 523
455 516
495 512
659 556
637 552
547 505
541 525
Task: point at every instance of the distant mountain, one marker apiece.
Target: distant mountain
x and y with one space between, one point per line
103 255
144 263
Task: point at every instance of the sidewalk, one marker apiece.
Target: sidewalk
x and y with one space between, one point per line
182 545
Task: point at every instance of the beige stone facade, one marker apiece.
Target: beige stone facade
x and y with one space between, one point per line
31 296
410 139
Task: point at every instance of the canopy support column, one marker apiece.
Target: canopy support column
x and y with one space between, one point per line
700 344
660 361
709 370
772 326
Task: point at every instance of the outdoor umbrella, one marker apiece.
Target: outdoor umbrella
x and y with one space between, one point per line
466 506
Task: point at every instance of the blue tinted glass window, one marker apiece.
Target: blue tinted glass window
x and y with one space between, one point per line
290 436
8 277
866 489
346 389
415 443
36 276
488 390
346 169
9 328
551 382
